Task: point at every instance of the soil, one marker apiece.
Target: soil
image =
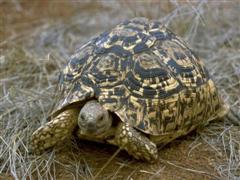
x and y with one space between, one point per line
189 157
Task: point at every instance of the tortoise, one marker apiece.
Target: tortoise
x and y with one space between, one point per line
138 86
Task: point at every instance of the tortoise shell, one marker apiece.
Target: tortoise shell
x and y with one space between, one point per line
143 73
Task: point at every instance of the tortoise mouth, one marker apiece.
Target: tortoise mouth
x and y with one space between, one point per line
93 129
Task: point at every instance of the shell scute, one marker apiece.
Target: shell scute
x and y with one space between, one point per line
145 74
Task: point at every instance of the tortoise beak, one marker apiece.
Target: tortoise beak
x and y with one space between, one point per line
91 127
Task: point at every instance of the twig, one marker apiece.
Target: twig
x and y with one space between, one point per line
188 169
106 164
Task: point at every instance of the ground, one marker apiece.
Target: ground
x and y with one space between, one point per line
36 39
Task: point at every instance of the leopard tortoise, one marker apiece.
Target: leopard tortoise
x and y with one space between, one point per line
137 86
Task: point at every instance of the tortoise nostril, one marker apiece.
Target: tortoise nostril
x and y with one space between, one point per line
82 120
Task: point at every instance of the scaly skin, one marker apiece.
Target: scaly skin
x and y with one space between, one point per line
128 139
123 135
55 131
135 143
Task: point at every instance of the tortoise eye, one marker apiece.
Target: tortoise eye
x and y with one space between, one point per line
82 116
101 119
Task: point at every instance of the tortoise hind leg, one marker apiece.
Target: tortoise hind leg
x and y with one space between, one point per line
54 131
230 114
135 143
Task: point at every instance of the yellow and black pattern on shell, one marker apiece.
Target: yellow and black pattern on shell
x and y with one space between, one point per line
145 74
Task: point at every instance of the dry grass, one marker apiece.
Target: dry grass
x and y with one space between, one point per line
37 38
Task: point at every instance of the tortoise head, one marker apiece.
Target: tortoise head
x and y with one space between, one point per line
93 119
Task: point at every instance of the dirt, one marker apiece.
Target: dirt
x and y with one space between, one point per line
190 157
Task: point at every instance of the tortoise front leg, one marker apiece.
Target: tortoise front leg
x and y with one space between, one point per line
54 131
135 143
